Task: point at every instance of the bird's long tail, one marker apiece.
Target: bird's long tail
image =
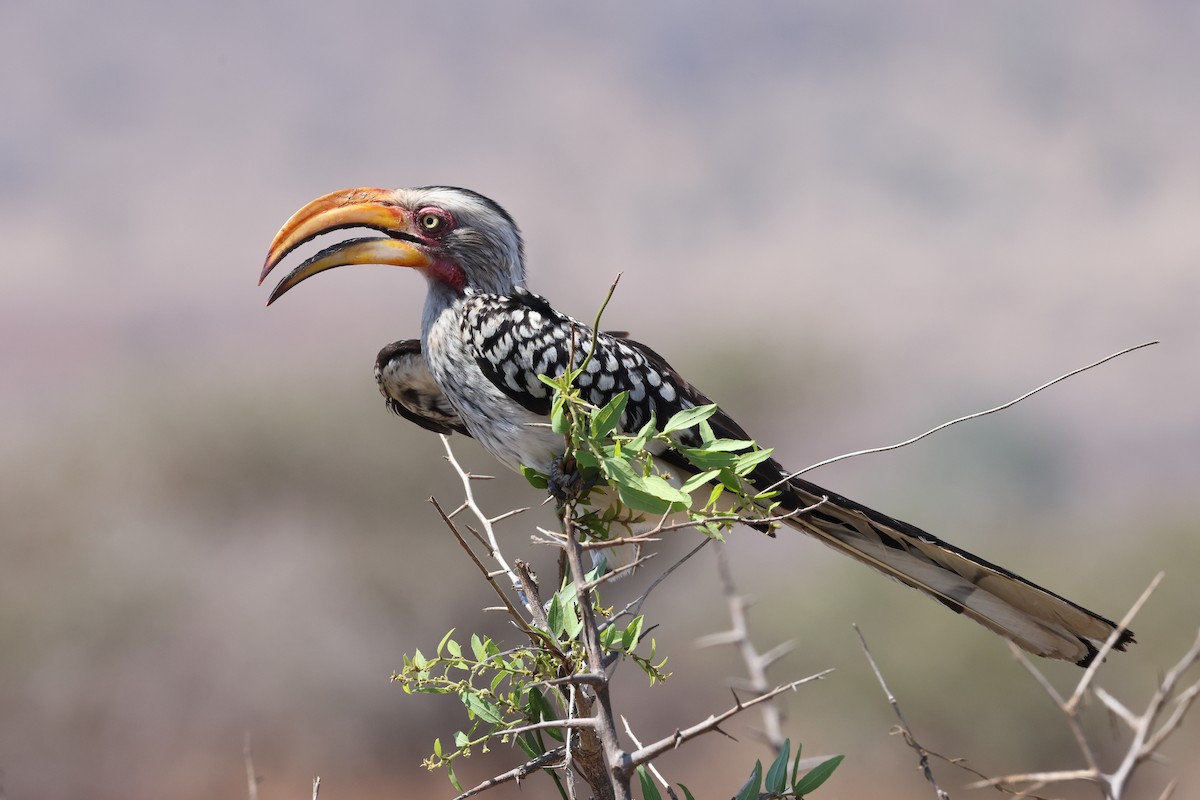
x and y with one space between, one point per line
1037 619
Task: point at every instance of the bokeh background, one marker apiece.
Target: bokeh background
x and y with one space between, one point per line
847 221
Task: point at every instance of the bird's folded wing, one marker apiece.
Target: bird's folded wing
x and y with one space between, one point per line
407 385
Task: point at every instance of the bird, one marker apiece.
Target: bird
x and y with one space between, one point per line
485 339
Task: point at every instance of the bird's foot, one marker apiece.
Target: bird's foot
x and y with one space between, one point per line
566 482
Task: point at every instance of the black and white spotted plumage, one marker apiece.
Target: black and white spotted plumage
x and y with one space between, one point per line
485 339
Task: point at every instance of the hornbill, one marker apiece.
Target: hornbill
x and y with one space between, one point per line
485 339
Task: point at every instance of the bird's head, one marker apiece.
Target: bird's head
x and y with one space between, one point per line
458 239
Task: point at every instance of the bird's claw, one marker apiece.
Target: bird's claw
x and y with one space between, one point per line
565 481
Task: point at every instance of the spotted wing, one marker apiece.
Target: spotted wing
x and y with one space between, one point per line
407 385
521 337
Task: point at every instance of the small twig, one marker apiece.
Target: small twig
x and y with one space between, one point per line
517 774
1146 738
1107 647
966 418
595 326
905 730
756 663
516 615
316 787
713 722
653 769
485 521
635 606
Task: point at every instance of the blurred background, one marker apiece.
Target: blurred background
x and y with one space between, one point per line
847 222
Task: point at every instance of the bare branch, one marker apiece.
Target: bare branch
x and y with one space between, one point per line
1107 647
485 521
756 663
635 606
517 774
516 615
653 769
1058 776
966 418
713 722
316 788
910 740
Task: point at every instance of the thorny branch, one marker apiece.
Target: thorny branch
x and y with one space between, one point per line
905 730
757 663
1148 730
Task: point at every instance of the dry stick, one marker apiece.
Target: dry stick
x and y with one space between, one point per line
316 787
466 477
543 761
655 749
910 740
653 769
757 663
1145 739
635 606
491 579
945 425
1109 643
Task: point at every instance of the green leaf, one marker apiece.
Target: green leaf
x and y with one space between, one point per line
776 781
689 417
796 763
753 785
586 459
442 644
638 443
727 445
649 493
536 479
454 648
706 433
437 747
554 617
707 459
566 599
687 793
558 417
607 636
632 633
623 473
461 739
698 480
649 789
478 647
748 461
484 709
605 420
539 707
453 778
816 776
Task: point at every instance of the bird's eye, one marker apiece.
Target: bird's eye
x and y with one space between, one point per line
430 222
